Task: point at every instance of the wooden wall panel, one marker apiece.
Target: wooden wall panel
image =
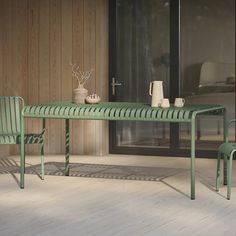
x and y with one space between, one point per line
38 40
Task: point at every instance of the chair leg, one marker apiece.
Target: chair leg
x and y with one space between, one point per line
20 149
218 171
229 175
225 169
42 160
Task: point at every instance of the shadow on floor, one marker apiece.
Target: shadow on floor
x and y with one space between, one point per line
9 166
137 173
108 171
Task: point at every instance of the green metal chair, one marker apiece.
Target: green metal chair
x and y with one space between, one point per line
10 125
226 150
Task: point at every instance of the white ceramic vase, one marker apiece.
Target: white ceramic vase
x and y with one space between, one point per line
80 94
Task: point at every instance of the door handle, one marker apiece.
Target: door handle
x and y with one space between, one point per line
114 83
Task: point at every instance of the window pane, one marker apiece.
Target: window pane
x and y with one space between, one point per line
208 64
142 56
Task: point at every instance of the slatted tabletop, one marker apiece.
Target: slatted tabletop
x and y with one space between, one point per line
118 111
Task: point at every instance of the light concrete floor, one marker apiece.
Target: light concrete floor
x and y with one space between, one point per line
107 205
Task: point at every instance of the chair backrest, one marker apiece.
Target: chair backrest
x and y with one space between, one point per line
216 72
10 114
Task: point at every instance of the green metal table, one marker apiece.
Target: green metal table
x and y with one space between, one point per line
118 112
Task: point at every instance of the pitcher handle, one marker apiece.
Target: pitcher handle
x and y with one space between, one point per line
150 88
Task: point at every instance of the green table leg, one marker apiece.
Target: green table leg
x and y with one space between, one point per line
193 131
67 147
42 151
225 140
22 155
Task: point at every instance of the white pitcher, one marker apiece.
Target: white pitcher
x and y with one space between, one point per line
156 91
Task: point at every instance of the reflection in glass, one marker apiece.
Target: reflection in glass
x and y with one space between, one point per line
208 64
142 56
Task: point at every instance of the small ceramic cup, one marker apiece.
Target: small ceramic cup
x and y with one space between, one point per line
179 102
165 103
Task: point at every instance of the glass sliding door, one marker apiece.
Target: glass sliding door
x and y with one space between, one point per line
207 64
187 44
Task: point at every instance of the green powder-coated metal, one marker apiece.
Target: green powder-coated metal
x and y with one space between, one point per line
120 111
227 150
16 139
67 146
12 127
193 133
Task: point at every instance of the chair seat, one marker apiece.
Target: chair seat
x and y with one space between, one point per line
15 139
227 148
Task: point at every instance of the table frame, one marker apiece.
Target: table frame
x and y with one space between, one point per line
214 110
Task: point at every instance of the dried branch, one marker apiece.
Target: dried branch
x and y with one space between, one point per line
81 76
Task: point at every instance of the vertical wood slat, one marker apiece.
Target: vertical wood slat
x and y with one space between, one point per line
55 72
77 45
4 32
9 59
11 62
19 53
20 48
101 131
14 48
1 49
66 56
89 54
33 68
1 65
98 40
9 53
44 61
4 47
21 41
